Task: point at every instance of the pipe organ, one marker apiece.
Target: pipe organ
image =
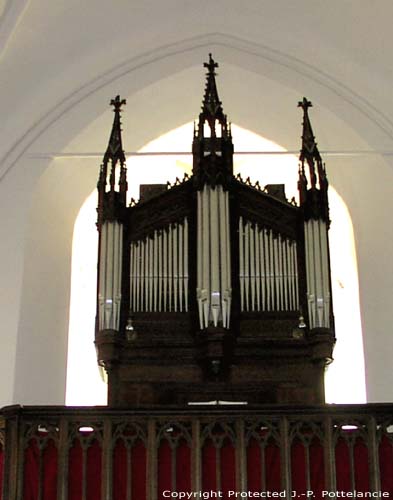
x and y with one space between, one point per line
110 272
213 288
317 266
159 270
214 257
267 270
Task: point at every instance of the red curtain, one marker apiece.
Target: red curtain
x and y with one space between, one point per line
1 471
273 467
256 456
317 468
343 476
139 471
386 465
183 467
119 477
270 456
49 459
228 468
32 471
209 466
93 471
164 457
75 460
298 467
360 453
254 466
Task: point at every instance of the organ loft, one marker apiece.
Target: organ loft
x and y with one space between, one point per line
213 288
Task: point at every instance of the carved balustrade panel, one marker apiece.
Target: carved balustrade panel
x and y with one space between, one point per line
86 454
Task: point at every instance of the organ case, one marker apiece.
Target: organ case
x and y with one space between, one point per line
213 288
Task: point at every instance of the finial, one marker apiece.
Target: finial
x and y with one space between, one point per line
211 105
211 65
305 104
117 103
114 150
309 146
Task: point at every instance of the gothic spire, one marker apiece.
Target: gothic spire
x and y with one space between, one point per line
114 151
317 175
211 102
309 151
108 200
212 145
211 106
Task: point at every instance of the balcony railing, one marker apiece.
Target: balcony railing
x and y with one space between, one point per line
63 453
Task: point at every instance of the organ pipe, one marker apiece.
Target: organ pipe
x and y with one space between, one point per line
185 279
159 270
317 268
213 257
267 269
241 262
110 268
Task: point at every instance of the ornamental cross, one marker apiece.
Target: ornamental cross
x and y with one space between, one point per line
305 104
211 65
117 103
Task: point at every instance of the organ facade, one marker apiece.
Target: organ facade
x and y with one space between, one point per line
213 289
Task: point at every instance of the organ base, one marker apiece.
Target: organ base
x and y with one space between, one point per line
169 364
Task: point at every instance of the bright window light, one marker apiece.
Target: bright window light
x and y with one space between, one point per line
84 382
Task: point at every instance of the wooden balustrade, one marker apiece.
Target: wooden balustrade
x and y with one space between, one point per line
60 453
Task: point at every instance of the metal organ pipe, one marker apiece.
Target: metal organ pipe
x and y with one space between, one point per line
257 267
185 240
241 262
181 273
205 242
262 272
213 257
267 269
159 270
317 267
109 290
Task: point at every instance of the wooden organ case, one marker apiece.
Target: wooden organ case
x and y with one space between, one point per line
213 289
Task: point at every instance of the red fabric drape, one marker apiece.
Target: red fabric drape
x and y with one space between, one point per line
183 467
93 471
386 465
273 467
119 477
298 467
49 459
1 472
139 474
164 468
228 469
317 468
254 466
209 466
342 466
32 468
270 456
136 474
31 472
75 460
360 453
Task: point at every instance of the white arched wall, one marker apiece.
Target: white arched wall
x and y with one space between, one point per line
50 192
